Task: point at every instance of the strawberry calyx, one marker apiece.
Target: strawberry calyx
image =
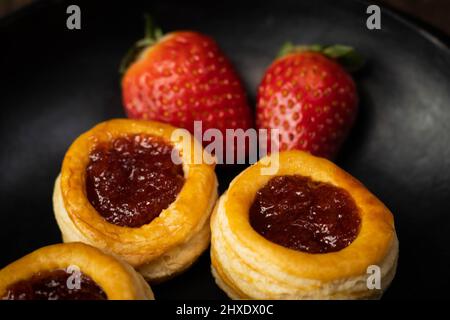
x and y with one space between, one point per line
152 36
345 55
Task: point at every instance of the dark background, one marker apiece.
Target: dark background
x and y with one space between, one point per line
433 12
57 83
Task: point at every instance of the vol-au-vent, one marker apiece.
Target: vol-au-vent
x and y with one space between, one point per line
309 231
120 190
72 271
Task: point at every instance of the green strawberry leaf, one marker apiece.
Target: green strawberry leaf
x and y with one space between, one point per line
337 50
152 35
346 56
285 49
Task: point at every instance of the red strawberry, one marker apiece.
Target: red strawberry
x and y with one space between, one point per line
181 77
310 98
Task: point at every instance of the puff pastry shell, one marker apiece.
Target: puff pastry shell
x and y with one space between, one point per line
117 278
160 249
248 266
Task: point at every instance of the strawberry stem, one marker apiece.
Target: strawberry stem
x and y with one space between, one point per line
347 56
148 26
151 36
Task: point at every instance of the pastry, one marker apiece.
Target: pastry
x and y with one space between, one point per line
132 188
308 230
72 271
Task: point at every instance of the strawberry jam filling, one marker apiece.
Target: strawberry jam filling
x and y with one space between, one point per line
132 179
55 285
301 214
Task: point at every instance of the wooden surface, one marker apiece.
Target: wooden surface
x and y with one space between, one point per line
7 6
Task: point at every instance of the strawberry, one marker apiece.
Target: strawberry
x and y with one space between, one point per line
181 77
310 98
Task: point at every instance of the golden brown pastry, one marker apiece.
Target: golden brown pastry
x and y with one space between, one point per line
72 271
133 188
308 231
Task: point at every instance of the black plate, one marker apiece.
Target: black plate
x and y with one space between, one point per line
58 83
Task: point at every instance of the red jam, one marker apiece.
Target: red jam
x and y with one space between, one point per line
53 285
132 179
301 214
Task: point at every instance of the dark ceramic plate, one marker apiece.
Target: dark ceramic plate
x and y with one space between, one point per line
57 83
